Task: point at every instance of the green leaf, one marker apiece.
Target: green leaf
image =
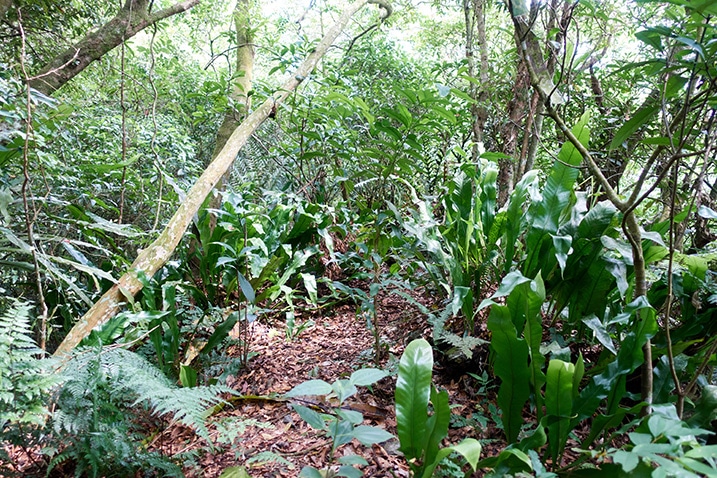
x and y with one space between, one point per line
558 196
310 387
234 472
525 303
367 376
650 37
352 416
369 435
352 460
349 471
601 333
246 288
705 407
220 332
310 471
469 448
511 366
509 282
515 216
707 213
437 424
629 357
310 285
462 296
341 431
107 167
627 460
641 116
563 247
462 95
311 417
704 451
559 405
343 389
412 393
187 376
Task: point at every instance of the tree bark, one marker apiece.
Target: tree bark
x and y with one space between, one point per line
474 11
510 132
151 259
240 91
245 73
132 18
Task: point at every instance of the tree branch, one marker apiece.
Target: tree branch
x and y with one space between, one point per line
130 20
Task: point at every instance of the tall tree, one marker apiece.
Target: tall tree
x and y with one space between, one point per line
240 93
241 85
151 259
474 11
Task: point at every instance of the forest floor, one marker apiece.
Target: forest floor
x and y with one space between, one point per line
266 437
259 431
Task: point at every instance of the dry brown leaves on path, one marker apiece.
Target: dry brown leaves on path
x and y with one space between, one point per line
263 433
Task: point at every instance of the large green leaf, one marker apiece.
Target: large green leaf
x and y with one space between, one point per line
511 366
469 448
367 376
488 198
525 303
559 405
629 357
314 419
369 435
641 116
437 424
309 388
412 393
545 215
221 332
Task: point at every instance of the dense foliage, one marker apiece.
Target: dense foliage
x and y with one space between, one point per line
554 195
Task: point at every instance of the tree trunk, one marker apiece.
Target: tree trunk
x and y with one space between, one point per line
474 11
240 91
510 132
151 259
244 72
132 18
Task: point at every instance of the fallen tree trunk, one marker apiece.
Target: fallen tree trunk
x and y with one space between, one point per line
151 259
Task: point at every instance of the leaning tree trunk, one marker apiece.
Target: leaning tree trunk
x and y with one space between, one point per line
132 18
245 71
151 259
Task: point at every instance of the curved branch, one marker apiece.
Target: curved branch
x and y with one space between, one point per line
130 20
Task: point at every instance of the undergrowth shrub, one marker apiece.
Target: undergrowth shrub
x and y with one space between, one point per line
98 420
25 380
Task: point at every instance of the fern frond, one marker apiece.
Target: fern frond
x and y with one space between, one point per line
465 344
24 378
134 380
269 457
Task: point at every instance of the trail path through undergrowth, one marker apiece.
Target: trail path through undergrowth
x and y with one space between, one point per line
269 439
